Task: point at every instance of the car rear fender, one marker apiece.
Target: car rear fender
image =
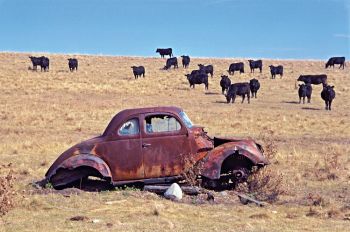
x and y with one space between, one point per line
83 160
212 163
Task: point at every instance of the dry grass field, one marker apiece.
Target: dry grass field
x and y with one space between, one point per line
43 114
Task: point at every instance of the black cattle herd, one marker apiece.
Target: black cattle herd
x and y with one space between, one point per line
245 89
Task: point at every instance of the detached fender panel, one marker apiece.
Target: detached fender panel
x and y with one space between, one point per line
83 160
212 163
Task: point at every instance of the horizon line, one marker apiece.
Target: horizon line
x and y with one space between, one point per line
139 56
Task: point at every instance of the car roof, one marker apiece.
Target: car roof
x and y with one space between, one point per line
119 117
170 109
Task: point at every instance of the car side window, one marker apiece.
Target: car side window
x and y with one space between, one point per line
161 123
131 127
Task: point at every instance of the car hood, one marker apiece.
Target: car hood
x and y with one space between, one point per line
85 147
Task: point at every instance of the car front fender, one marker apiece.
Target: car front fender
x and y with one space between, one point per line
212 163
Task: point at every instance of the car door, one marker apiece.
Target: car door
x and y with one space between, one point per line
122 151
164 143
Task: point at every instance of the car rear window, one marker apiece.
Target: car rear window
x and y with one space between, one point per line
130 127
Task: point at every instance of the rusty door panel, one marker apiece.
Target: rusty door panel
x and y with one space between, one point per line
164 155
163 151
124 158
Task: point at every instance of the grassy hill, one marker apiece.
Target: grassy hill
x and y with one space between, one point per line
44 113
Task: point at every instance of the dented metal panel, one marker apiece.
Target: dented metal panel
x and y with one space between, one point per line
244 149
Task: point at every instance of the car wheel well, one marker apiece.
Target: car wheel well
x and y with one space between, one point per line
64 176
235 161
234 169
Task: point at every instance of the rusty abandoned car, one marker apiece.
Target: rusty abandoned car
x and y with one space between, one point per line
148 146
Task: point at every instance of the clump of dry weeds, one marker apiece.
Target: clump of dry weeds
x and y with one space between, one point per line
269 145
328 168
267 183
264 184
315 199
7 193
192 169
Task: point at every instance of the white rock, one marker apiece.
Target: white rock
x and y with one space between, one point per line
174 192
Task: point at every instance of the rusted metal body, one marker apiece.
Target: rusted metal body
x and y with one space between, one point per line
143 155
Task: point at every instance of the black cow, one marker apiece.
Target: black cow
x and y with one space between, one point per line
138 71
200 78
185 61
336 60
171 62
207 69
41 61
254 86
305 90
313 79
195 72
45 64
328 94
236 67
253 64
73 64
225 83
35 61
276 70
165 52
240 89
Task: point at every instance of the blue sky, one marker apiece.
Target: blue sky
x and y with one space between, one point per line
281 29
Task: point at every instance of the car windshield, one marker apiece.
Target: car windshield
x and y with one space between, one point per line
186 119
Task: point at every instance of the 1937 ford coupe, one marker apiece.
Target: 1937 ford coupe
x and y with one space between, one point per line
148 146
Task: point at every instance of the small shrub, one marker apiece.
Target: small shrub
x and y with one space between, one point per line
191 169
269 144
48 185
265 184
316 200
7 193
328 168
334 213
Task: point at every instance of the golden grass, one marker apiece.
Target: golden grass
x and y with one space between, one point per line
43 114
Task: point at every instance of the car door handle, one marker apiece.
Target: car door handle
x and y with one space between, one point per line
144 145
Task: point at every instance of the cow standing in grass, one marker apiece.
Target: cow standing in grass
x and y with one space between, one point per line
73 64
236 67
171 62
208 69
138 71
276 70
41 61
328 94
313 79
225 83
240 89
197 79
185 61
254 86
335 60
165 52
305 90
45 64
253 64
